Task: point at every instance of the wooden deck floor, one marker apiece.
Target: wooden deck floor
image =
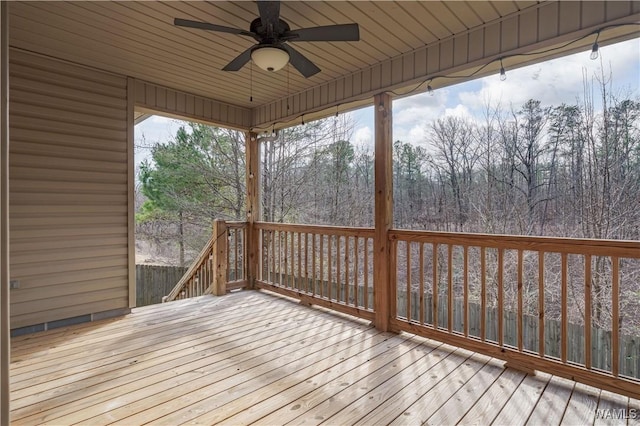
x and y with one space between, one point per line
251 357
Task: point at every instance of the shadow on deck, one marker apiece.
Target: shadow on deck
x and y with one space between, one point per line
254 357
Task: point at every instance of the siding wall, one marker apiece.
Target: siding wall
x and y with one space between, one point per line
68 190
153 98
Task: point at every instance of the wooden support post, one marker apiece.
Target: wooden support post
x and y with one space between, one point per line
5 318
383 211
131 191
252 165
220 243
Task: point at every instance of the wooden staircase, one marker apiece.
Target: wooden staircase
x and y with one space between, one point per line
220 267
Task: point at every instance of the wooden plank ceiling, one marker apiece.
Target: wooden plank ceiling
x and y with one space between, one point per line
138 39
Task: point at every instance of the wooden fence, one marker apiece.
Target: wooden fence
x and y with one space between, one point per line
154 282
629 354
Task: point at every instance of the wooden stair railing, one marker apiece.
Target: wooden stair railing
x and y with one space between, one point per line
208 273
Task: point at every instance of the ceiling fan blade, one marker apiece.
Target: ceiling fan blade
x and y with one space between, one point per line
239 61
342 32
269 13
301 63
211 27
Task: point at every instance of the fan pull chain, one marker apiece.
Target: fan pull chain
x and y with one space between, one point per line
251 82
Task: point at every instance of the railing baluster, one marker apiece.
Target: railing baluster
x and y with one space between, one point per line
483 294
282 270
313 263
520 307
421 288
587 312
356 272
366 273
408 294
465 278
393 279
275 272
563 303
229 264
292 275
321 265
245 255
500 297
346 270
237 251
330 271
541 314
615 316
435 286
450 287
277 259
299 286
338 269
260 253
307 281
290 259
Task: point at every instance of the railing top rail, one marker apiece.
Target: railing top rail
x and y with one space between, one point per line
204 254
620 248
236 225
317 229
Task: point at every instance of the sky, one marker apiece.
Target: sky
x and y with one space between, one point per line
552 82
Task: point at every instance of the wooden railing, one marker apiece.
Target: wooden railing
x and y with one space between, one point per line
552 304
321 265
506 283
220 266
237 249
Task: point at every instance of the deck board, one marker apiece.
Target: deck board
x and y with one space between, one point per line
255 358
553 402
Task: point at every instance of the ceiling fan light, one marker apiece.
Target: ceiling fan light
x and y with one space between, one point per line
270 58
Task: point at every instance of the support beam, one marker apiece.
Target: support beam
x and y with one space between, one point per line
383 209
131 192
220 247
252 165
154 98
5 318
139 117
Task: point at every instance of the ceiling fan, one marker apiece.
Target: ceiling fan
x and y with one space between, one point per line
272 52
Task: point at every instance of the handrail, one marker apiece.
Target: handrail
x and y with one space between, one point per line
209 272
593 247
189 276
351 231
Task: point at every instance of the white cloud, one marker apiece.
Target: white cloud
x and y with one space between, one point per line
363 136
557 81
156 129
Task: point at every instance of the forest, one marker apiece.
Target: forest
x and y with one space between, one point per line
568 170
